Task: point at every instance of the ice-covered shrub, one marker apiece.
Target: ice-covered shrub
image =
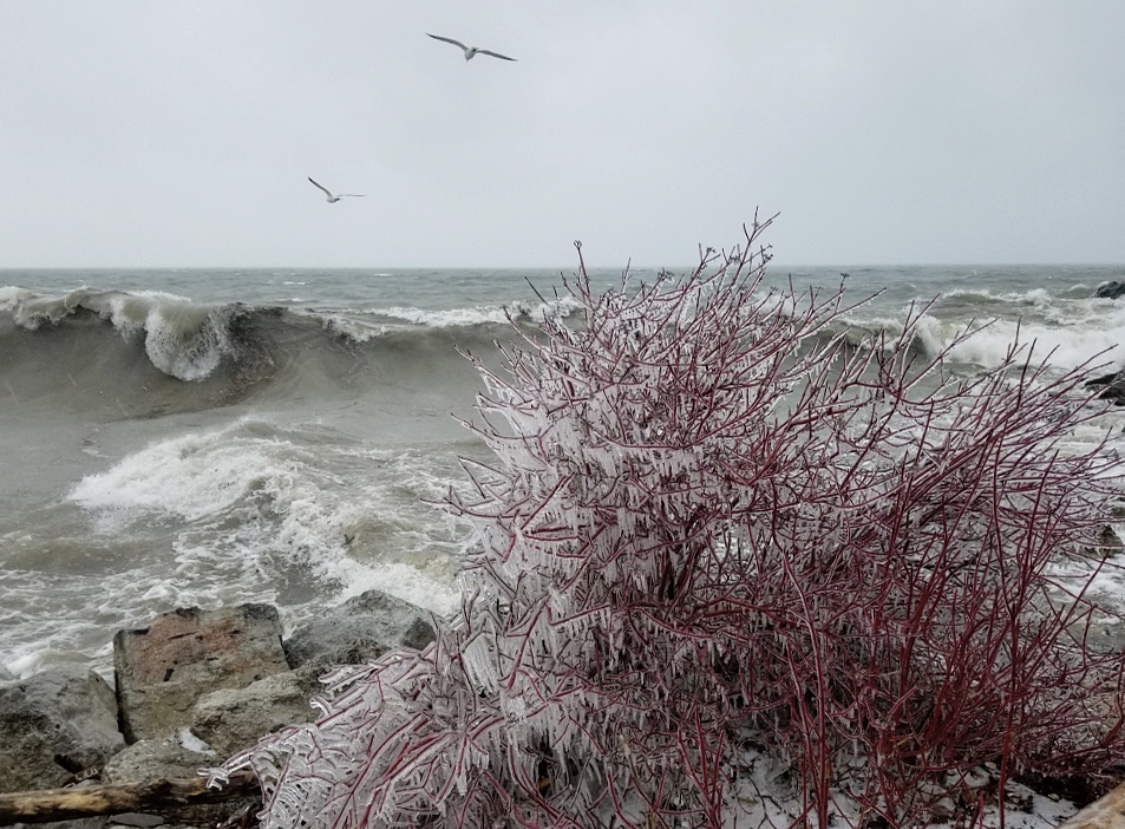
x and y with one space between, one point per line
710 520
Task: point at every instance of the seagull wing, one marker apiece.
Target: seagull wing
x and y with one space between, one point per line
327 192
494 54
449 40
353 195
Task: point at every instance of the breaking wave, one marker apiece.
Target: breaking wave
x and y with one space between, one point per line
155 353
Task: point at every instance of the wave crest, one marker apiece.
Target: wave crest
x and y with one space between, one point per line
182 339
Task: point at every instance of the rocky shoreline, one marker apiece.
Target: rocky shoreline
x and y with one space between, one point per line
194 687
191 689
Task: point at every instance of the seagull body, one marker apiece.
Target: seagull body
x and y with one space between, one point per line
332 198
470 51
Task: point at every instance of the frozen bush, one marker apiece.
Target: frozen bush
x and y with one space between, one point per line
711 519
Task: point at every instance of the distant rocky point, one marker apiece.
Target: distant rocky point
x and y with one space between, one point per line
1110 290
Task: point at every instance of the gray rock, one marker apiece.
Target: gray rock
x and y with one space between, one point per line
232 719
1110 290
54 725
1112 387
163 669
358 631
158 759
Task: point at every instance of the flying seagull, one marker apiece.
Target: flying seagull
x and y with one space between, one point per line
332 199
470 51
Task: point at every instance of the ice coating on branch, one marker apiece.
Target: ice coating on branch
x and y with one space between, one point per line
703 521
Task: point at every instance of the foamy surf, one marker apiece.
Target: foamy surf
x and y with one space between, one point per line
465 317
256 491
252 512
209 437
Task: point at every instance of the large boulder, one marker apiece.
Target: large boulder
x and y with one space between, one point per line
53 726
163 669
358 631
232 719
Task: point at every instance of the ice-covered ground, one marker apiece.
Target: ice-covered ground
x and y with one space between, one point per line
764 800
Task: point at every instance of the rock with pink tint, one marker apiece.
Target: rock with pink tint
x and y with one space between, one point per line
163 669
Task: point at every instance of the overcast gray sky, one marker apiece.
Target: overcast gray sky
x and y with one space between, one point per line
167 132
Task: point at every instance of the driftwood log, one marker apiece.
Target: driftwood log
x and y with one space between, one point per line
154 796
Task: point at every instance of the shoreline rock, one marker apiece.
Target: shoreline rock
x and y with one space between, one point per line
201 686
55 725
360 630
192 688
162 670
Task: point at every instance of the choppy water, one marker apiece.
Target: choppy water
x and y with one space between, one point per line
208 437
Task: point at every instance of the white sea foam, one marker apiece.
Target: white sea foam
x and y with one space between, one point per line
455 317
255 508
1033 296
187 477
1065 348
30 310
406 582
12 295
478 315
182 339
394 318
